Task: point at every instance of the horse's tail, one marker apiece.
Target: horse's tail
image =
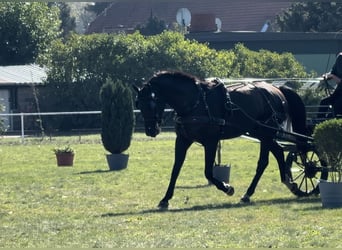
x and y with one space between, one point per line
296 109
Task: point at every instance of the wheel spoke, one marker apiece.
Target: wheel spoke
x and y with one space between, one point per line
301 183
299 176
312 183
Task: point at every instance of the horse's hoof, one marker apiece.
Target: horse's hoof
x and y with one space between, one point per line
163 205
293 187
230 190
245 199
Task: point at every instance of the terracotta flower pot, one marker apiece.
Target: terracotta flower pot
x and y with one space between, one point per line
65 159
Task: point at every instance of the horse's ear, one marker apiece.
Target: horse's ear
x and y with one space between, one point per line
136 88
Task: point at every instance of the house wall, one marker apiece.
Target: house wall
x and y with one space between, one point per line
5 101
320 63
18 99
25 100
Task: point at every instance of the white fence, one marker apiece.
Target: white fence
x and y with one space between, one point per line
23 115
311 114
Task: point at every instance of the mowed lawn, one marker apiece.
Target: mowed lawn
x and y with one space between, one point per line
42 205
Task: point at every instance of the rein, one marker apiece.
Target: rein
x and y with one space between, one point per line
229 107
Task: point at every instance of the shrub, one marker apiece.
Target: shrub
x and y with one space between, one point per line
64 150
117 117
328 140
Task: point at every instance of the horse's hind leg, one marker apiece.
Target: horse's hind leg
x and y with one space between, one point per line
262 164
285 177
181 147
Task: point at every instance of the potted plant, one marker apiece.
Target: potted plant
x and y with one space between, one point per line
117 119
64 155
328 141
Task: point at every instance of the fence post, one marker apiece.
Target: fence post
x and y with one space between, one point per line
22 127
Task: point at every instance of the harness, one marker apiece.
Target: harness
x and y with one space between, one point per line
276 117
229 108
206 119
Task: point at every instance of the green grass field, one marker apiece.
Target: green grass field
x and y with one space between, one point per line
42 205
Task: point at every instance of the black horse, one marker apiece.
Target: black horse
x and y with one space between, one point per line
207 112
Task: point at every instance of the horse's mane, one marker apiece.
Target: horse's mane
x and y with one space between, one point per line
181 76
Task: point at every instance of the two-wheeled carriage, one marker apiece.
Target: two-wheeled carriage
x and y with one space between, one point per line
304 164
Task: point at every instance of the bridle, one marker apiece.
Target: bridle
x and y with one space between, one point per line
185 116
153 102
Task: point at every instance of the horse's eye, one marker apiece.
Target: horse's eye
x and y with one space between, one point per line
137 104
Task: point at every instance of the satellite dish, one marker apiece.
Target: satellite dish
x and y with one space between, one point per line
183 17
218 23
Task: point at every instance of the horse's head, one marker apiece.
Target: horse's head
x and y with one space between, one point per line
152 109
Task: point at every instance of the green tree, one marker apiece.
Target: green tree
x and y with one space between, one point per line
132 57
59 96
78 66
265 64
170 50
68 23
311 16
153 26
26 29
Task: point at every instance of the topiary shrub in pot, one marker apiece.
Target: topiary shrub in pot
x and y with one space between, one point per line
328 141
117 120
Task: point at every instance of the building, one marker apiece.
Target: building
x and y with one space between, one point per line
17 90
223 23
199 15
316 51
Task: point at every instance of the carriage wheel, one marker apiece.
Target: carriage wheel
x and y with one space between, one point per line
305 170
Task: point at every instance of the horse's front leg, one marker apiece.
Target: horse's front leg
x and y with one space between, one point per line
210 153
181 146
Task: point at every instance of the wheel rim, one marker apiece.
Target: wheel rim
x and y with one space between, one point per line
306 169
